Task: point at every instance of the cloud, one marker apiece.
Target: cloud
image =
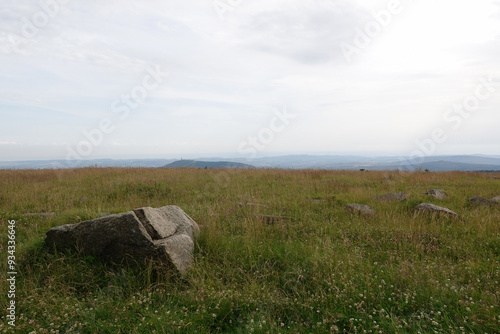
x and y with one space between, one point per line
305 32
224 75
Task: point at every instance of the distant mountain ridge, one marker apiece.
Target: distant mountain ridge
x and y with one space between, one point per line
328 162
207 164
68 164
441 166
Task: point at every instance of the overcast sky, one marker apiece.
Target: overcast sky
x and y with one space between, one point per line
248 77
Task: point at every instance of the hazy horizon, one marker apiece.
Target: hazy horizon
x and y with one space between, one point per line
237 157
246 79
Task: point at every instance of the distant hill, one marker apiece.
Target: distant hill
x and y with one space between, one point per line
438 166
331 162
207 164
441 166
433 163
101 163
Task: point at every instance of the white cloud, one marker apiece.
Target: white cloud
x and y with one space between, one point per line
224 74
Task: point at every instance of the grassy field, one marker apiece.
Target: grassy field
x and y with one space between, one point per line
323 271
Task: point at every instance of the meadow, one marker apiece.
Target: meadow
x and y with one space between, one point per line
324 270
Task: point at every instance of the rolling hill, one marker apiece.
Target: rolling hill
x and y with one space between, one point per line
207 164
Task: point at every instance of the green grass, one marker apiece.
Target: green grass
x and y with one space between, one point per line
323 271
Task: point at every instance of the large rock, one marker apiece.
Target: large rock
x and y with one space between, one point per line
436 193
476 200
361 209
393 197
166 234
496 199
434 209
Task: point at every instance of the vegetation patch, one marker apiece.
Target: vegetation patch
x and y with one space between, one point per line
323 270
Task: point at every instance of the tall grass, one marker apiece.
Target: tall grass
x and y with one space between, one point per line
324 270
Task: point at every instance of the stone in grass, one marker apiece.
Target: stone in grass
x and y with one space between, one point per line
434 209
476 200
252 204
436 193
270 220
393 197
166 234
496 199
361 209
316 200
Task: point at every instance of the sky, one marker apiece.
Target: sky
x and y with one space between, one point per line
152 79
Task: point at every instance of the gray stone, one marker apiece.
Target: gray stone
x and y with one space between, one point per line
476 200
316 200
436 193
393 197
166 234
179 249
496 199
361 209
252 204
434 209
270 220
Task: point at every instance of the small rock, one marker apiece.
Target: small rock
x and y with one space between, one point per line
270 220
394 197
436 193
496 199
252 204
361 209
482 201
434 209
316 200
42 214
79 199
